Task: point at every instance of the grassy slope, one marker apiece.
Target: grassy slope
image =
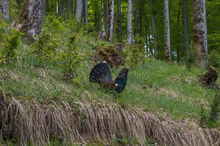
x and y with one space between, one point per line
168 89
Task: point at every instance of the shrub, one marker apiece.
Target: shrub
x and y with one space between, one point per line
70 59
11 41
46 46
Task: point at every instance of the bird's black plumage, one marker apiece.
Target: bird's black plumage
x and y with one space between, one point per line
101 74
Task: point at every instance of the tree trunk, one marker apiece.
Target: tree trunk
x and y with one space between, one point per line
86 12
200 32
119 22
154 28
111 30
30 20
79 7
4 8
129 23
100 15
136 17
185 27
106 18
167 54
61 7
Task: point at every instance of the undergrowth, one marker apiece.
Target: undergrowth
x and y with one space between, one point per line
60 67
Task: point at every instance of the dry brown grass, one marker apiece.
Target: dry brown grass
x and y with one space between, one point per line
83 121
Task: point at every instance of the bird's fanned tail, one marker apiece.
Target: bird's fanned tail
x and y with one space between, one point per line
101 74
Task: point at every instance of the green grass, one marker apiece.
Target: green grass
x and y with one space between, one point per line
157 86
164 88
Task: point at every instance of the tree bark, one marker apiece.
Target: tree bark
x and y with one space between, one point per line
167 54
111 30
129 23
185 27
106 18
30 20
61 7
119 22
4 8
86 12
154 28
200 32
136 14
79 7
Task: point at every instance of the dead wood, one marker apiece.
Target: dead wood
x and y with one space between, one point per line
84 121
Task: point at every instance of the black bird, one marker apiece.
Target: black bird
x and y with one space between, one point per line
101 74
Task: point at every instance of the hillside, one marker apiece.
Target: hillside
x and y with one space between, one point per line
47 98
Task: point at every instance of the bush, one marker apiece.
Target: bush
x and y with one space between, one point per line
135 52
214 59
11 41
70 59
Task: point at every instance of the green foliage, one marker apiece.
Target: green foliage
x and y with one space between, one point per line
46 46
190 58
13 9
70 58
123 139
214 59
9 45
215 110
134 53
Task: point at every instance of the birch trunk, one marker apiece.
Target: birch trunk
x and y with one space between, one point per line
79 7
30 20
129 23
4 8
167 54
200 32
111 30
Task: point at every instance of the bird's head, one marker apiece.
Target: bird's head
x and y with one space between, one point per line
123 73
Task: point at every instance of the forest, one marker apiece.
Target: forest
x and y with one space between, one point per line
110 72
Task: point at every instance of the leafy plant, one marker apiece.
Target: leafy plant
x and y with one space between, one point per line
71 59
215 110
46 46
134 53
214 59
9 45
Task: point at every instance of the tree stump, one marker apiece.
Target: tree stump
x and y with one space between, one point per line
209 77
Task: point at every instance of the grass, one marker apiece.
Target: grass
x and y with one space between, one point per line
167 89
156 85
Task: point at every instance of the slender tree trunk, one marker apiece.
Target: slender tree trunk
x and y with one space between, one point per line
119 22
185 27
154 28
61 7
97 15
100 15
79 8
135 17
111 30
69 9
167 54
4 8
86 12
30 20
129 23
200 32
106 17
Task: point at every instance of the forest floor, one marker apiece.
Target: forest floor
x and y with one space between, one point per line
162 104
